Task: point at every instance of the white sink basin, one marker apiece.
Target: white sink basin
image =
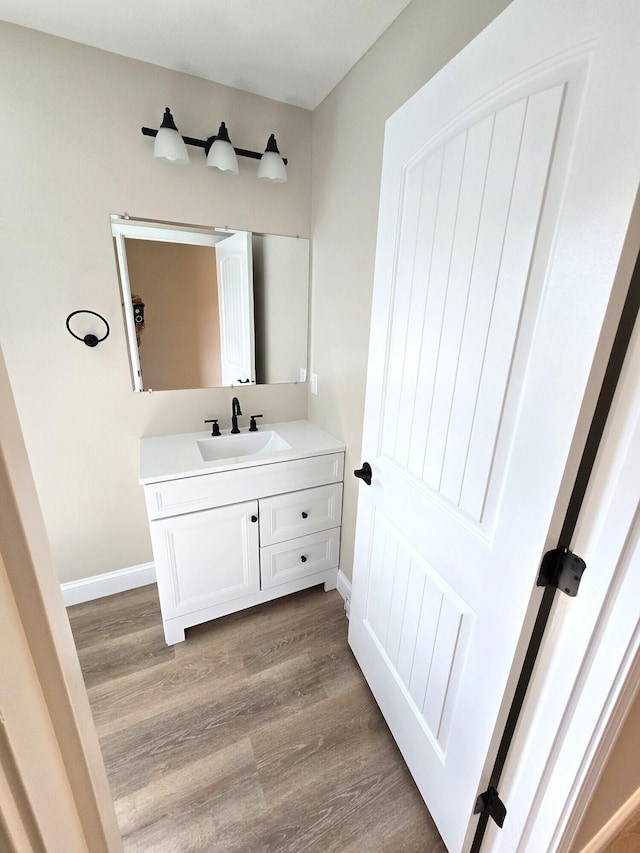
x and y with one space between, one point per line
243 444
189 454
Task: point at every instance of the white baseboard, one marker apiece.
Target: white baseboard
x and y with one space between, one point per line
600 842
98 586
344 585
344 588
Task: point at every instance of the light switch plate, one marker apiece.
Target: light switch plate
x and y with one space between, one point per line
303 374
314 383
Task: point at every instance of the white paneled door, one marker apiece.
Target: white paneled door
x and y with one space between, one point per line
234 264
508 186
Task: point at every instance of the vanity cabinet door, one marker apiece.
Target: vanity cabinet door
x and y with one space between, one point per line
206 558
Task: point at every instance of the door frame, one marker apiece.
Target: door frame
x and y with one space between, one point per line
587 673
46 703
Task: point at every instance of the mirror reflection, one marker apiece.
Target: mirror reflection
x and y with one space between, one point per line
211 307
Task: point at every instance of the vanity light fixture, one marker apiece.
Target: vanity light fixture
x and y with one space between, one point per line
272 166
169 144
221 154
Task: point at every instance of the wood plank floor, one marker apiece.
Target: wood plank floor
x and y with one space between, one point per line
258 734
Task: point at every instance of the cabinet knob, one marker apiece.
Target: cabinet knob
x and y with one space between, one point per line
304 514
303 559
254 518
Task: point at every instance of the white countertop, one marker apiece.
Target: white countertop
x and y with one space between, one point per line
169 457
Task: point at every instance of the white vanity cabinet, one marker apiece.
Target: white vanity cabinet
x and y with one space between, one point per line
230 539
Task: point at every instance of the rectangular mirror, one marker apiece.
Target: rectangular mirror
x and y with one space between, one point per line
211 307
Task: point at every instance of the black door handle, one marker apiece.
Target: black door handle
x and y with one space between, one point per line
365 473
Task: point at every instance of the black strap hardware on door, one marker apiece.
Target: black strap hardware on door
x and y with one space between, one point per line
365 473
491 805
561 569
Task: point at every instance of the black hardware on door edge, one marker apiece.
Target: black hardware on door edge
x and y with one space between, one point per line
560 564
491 805
561 569
365 473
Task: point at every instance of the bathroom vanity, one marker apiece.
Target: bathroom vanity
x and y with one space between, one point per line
237 520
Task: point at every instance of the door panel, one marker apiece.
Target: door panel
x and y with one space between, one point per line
420 627
461 276
505 201
234 263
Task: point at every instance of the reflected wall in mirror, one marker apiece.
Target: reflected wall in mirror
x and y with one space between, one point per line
210 307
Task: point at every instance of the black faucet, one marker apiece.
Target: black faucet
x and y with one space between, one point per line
235 411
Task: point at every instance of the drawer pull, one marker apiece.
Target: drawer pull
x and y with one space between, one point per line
303 559
304 514
254 518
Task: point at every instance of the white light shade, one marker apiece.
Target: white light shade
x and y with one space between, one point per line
272 166
169 144
221 154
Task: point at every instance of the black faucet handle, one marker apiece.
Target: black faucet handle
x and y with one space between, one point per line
252 422
215 429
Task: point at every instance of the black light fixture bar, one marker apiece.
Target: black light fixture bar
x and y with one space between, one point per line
207 143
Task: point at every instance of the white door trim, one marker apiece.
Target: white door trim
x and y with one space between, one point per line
47 734
588 671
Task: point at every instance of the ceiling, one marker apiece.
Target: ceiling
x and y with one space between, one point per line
294 51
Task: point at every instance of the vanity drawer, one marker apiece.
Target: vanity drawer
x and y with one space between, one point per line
299 558
190 494
299 513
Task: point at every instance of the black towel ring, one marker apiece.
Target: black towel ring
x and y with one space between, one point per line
89 340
